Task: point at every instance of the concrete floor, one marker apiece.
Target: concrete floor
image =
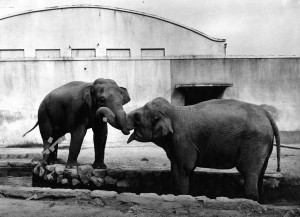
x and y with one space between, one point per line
143 156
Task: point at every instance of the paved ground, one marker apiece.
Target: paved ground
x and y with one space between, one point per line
65 202
143 156
135 156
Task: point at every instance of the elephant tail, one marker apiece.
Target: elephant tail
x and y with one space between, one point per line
277 139
37 123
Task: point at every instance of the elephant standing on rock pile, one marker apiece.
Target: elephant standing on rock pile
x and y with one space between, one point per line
219 134
72 108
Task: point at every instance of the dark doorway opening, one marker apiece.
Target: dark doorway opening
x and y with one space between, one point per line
195 93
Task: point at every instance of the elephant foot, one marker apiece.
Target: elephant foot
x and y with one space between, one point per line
99 165
71 165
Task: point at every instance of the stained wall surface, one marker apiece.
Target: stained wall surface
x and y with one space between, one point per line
272 82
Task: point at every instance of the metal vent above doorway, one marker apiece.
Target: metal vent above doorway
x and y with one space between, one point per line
195 93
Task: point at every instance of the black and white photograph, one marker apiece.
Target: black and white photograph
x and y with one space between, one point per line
149 108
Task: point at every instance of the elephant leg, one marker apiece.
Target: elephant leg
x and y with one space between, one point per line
47 131
250 171
250 163
261 180
251 184
77 137
180 179
100 136
53 155
46 157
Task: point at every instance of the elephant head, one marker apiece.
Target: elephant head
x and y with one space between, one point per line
106 93
150 122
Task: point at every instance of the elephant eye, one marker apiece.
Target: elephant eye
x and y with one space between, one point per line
155 120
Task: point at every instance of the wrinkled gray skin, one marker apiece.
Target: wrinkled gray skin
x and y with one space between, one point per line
72 108
219 134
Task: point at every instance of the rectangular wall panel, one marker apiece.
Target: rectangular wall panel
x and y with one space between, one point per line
14 53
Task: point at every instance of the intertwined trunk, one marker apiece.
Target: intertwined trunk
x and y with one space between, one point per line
118 121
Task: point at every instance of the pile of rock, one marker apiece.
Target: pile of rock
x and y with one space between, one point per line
137 181
85 176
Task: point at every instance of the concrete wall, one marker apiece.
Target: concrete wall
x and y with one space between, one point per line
273 82
43 49
98 30
24 84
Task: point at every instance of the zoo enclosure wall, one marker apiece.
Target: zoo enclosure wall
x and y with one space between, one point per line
269 81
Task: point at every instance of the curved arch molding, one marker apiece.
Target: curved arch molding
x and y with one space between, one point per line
91 30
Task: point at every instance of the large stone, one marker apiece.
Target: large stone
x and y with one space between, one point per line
152 196
185 198
51 168
50 176
202 199
36 169
98 182
168 197
64 181
75 182
110 181
99 173
27 192
85 173
59 169
103 194
42 172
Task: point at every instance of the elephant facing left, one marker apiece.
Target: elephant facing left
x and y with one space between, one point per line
72 108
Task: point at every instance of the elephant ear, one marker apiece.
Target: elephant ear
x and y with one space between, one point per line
162 126
86 96
125 95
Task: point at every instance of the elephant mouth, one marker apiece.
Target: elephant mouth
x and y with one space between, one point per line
136 136
132 137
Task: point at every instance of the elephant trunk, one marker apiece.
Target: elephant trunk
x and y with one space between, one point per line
130 123
122 120
109 116
117 121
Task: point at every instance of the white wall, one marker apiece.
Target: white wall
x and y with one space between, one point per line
24 84
91 27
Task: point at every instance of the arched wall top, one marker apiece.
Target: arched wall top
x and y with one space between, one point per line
115 9
81 31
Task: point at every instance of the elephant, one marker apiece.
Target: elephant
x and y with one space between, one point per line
219 133
72 108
